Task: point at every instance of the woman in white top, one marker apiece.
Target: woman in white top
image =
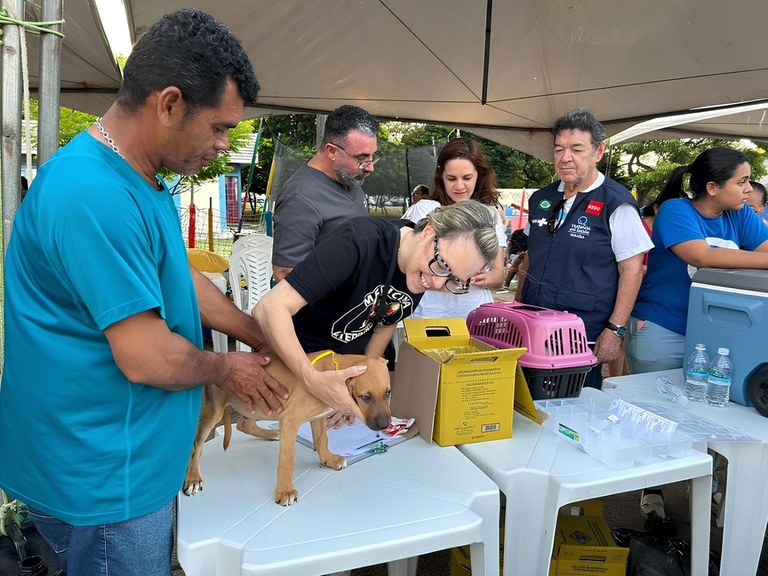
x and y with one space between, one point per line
462 173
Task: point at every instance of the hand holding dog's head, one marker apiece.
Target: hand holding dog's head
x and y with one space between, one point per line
371 391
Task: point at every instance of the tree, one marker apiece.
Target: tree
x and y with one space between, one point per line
72 122
238 137
645 166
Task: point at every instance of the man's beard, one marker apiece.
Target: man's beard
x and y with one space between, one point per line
349 179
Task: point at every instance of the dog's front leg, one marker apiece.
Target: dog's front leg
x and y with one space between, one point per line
320 439
285 493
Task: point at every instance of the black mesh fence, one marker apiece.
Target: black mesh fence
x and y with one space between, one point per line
388 188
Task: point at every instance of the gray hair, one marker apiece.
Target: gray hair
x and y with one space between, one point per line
466 218
580 119
346 118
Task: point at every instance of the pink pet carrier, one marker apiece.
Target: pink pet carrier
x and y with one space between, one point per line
558 358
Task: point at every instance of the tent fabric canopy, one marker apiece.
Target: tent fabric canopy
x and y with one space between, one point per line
505 70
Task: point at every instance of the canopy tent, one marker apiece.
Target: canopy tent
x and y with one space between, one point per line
504 70
732 122
90 75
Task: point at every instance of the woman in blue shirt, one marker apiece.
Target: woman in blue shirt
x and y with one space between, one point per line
691 232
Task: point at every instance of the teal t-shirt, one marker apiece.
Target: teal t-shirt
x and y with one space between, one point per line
92 244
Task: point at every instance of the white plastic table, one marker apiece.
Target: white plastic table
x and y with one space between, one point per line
539 473
415 499
746 490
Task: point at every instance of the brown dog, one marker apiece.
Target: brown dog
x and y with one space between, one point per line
371 391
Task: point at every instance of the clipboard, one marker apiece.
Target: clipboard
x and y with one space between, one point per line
357 441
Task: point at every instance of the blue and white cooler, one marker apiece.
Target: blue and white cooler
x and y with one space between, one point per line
729 308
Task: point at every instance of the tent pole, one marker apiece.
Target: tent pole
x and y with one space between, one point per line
10 156
487 50
50 77
10 151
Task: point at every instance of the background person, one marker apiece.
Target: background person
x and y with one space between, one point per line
463 173
585 241
349 294
24 187
326 191
708 230
757 200
102 382
618 366
514 254
419 193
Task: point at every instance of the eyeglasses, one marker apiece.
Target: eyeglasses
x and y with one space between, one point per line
556 219
363 163
438 267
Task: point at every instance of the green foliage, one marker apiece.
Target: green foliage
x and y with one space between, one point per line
238 137
515 169
645 166
71 122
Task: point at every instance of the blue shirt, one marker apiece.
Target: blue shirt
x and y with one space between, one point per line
92 244
663 296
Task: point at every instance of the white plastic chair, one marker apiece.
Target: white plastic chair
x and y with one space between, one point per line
249 240
220 342
252 264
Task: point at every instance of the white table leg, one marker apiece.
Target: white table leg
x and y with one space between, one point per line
404 567
529 522
745 517
700 504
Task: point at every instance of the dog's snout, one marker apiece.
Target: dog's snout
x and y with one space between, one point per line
379 422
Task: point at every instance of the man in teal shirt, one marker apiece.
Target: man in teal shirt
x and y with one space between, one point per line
101 385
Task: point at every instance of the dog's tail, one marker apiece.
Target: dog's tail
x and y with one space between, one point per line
227 428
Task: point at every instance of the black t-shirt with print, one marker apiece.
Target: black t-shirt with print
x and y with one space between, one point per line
342 280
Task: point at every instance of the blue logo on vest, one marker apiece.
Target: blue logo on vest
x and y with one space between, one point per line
545 205
583 220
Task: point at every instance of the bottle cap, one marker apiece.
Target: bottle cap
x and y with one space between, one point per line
682 400
723 351
700 346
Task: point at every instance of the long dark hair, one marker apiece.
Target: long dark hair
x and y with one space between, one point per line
714 165
466 149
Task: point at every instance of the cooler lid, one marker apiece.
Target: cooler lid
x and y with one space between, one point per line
740 278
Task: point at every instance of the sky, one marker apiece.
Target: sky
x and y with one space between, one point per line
112 13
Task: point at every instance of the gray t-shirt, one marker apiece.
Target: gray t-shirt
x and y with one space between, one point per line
309 207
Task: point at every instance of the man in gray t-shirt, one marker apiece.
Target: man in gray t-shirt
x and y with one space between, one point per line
325 192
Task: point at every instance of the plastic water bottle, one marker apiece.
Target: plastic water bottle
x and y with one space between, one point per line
720 377
677 395
697 374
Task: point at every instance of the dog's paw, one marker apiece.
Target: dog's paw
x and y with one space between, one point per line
192 487
286 497
334 462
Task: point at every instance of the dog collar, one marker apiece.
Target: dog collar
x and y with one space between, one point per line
323 355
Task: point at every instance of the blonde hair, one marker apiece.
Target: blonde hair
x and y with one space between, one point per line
467 218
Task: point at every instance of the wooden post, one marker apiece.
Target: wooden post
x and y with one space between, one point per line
210 224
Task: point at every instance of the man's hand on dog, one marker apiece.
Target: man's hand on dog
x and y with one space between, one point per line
250 383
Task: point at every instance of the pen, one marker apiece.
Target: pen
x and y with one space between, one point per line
369 444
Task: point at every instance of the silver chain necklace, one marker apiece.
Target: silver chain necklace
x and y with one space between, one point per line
108 138
116 150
